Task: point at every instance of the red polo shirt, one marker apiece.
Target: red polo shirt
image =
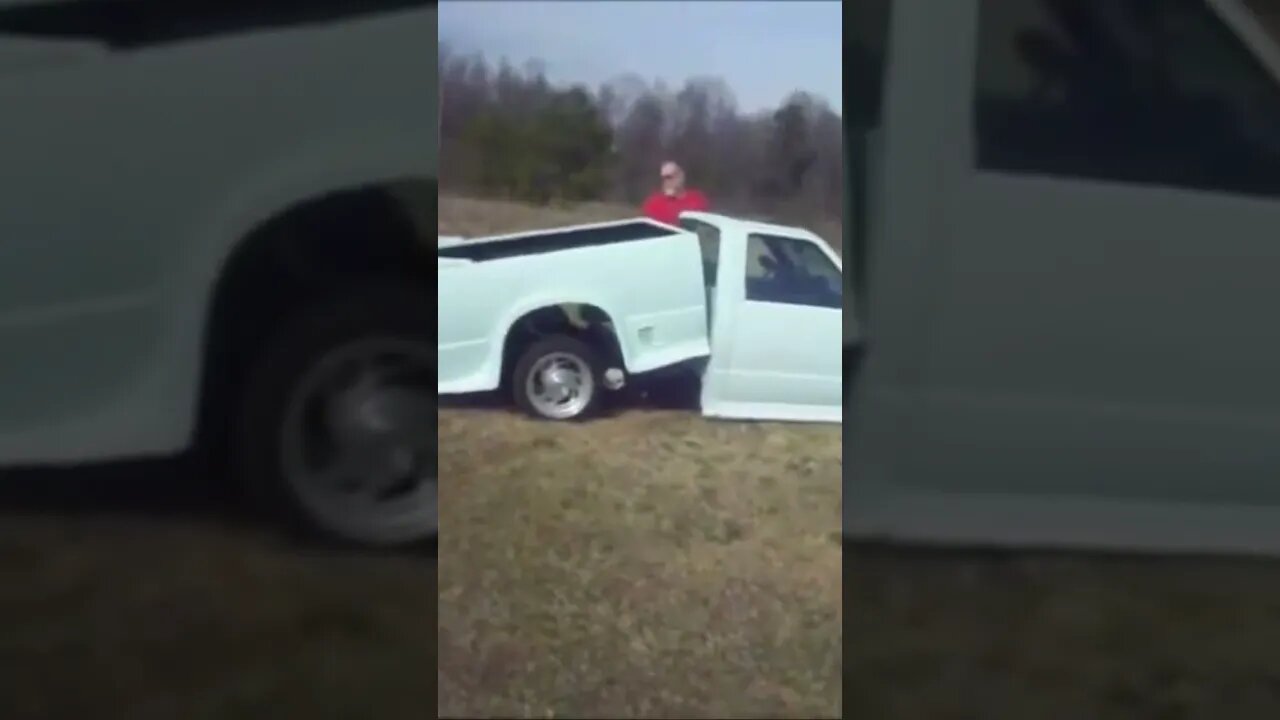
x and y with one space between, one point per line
667 208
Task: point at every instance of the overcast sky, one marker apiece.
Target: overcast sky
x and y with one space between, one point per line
764 50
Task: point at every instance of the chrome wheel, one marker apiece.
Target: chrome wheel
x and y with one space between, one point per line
359 442
560 385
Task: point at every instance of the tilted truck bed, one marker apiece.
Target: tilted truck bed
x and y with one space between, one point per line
556 240
645 277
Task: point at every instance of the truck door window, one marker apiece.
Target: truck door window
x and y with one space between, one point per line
1148 93
791 271
709 241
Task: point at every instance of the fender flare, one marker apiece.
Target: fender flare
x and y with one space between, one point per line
508 320
193 278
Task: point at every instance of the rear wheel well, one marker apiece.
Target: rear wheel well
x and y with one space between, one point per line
309 251
583 321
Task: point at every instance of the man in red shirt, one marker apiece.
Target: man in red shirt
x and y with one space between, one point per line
666 205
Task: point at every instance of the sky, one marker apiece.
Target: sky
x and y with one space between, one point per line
763 50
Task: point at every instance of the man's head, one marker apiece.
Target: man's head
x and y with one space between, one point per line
672 179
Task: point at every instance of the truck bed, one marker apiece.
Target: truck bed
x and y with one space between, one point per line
544 241
645 277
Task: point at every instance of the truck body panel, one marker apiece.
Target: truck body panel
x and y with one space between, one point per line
1073 347
142 167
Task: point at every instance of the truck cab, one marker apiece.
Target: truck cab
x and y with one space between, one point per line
1070 276
776 317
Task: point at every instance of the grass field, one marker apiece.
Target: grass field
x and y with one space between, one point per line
657 564
648 564
129 592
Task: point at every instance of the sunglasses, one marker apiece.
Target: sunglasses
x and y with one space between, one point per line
669 176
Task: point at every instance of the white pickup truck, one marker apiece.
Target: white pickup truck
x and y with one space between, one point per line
559 316
207 242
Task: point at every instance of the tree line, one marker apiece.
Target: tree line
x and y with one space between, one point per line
508 132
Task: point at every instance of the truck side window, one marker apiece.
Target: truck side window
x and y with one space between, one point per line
791 272
1146 93
709 241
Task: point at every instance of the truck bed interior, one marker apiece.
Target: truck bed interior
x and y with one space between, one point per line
483 250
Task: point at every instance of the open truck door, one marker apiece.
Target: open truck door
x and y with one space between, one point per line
1072 288
776 322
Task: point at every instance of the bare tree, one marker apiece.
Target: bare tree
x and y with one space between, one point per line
510 132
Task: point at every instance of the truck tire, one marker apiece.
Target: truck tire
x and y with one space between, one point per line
558 378
337 425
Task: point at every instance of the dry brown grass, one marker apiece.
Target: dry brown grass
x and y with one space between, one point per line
657 564
1009 636
648 564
